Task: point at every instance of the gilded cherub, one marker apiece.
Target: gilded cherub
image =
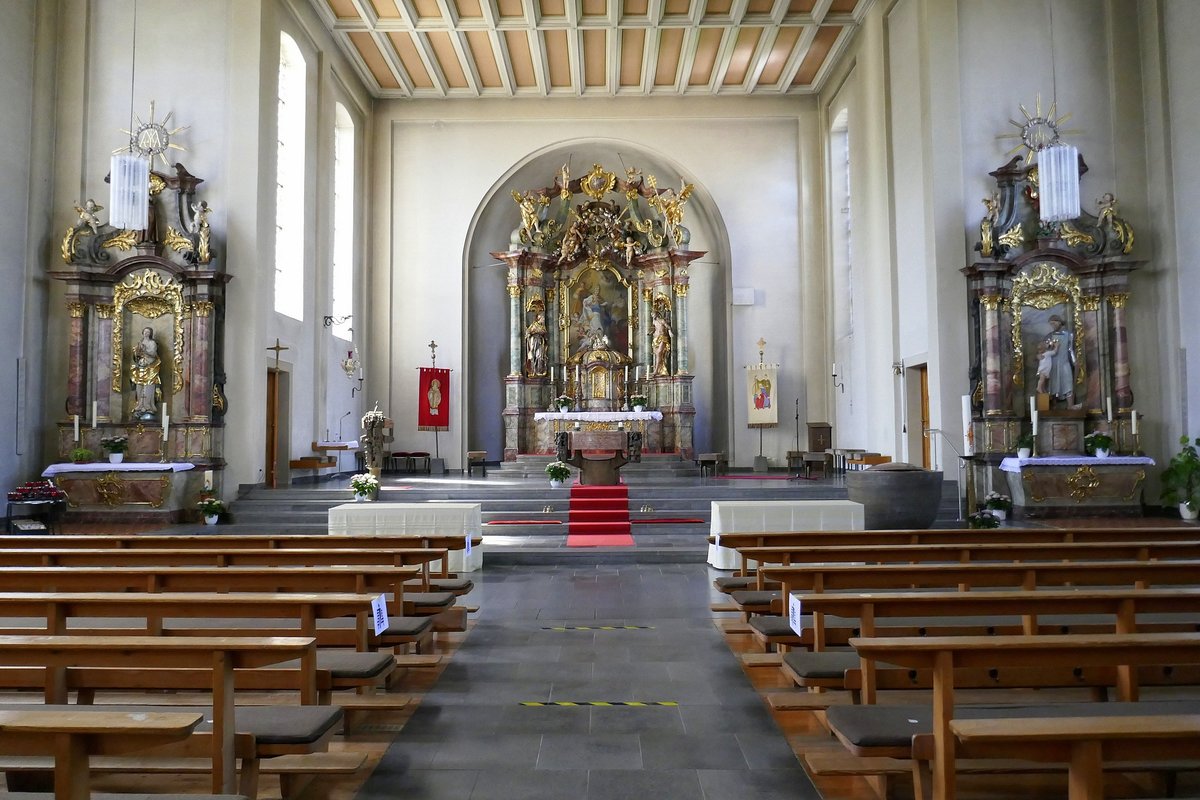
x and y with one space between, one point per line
88 215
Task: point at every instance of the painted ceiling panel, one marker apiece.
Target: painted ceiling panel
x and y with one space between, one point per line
571 45
364 43
410 58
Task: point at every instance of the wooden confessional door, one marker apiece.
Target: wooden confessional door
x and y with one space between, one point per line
271 476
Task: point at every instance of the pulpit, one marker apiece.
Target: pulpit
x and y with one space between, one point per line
598 455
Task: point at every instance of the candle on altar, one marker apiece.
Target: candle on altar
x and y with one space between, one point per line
166 425
627 373
1108 403
93 415
1133 421
1033 414
968 439
76 428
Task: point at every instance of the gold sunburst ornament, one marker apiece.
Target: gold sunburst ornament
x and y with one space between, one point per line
1058 162
153 138
1039 130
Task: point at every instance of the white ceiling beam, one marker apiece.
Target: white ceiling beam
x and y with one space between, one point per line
799 52
687 57
575 63
724 55
429 59
466 61
541 68
503 61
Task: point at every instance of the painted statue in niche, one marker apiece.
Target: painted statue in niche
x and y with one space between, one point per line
1051 341
145 376
599 310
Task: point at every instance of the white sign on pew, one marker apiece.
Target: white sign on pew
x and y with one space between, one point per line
468 538
379 613
794 618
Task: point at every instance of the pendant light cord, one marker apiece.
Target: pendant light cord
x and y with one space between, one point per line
132 74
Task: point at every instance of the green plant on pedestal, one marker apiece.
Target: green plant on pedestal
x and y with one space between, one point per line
1181 478
81 455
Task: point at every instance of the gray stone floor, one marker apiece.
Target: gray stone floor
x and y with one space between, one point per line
473 738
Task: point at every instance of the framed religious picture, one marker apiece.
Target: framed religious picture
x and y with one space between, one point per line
598 311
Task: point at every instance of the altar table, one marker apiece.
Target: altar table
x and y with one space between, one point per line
134 491
748 516
1054 486
413 519
550 423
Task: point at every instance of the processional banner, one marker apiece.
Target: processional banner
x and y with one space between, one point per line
761 384
433 400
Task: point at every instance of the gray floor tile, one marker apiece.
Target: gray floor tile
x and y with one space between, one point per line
590 751
608 784
518 750
626 719
662 750
508 784
778 784
418 785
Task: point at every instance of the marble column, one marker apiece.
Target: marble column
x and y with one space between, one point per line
682 363
1090 346
993 389
199 404
514 329
102 379
1120 344
76 368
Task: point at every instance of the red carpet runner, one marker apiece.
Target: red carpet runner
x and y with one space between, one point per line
599 516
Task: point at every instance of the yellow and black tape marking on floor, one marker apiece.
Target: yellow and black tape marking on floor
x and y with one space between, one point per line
600 703
600 628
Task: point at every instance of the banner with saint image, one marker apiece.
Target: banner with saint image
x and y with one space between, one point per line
762 381
433 400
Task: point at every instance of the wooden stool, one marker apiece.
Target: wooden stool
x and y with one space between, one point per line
710 462
476 458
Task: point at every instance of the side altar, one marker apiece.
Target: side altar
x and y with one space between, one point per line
1056 486
144 318
597 280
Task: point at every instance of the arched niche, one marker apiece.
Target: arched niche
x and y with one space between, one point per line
486 313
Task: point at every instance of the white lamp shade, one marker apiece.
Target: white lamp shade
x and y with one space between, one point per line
129 192
1058 182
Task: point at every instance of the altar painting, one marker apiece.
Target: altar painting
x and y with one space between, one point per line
599 305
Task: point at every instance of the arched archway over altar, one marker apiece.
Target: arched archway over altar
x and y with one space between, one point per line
487 316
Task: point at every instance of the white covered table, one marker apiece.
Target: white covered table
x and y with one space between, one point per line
413 519
133 491
1060 486
750 516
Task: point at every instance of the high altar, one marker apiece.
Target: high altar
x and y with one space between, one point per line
1049 344
145 311
598 286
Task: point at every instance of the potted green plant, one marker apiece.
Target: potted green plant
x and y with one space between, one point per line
115 446
998 504
638 401
558 472
211 508
1181 479
81 455
1025 445
564 402
1097 443
365 486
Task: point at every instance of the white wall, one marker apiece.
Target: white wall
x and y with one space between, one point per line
438 162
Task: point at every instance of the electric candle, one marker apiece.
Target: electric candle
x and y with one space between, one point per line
1033 414
1108 402
1133 421
166 425
76 428
968 439
93 415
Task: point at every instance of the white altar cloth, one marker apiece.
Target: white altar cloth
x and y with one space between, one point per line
124 466
413 519
750 516
597 416
1012 464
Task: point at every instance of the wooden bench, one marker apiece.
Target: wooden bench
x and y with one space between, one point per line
1085 743
1014 612
73 738
946 655
56 654
477 459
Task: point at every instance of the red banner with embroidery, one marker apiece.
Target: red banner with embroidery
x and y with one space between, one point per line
433 400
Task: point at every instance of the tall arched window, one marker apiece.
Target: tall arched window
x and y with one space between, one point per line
289 181
841 223
343 220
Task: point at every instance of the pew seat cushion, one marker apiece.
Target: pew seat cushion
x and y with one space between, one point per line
455 585
430 599
825 664
754 597
773 627
349 664
397 626
887 726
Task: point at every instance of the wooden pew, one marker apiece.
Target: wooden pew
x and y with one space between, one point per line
224 654
72 738
1086 743
1123 606
945 655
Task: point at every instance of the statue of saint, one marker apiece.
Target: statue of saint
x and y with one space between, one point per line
144 375
1061 344
536 353
661 343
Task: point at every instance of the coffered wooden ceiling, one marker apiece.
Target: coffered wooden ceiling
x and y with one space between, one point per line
569 48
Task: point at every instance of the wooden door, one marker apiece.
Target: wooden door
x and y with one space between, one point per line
271 476
923 377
